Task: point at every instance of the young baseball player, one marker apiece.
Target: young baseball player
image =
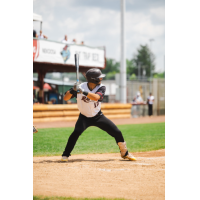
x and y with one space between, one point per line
89 104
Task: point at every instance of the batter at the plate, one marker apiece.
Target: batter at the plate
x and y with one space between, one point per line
89 104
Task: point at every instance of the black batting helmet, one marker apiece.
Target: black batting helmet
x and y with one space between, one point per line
93 75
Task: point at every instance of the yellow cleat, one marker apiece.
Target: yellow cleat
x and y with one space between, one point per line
124 151
130 157
64 159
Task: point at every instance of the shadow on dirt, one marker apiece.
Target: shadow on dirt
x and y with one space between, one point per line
71 161
128 160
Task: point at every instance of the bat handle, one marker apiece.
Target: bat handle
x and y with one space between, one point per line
77 81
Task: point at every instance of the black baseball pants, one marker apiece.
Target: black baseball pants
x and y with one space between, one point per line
84 122
150 109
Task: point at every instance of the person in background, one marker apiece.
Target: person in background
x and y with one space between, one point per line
82 43
133 108
134 100
65 40
35 34
41 36
35 101
74 41
139 98
150 101
139 101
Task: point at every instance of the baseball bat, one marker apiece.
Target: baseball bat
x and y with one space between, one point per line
77 69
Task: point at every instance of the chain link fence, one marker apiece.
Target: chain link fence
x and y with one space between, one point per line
135 86
158 91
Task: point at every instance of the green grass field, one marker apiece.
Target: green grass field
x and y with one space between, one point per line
139 138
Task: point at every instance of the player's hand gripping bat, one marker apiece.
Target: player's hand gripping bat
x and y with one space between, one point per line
77 70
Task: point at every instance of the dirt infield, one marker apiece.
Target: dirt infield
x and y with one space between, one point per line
140 120
101 175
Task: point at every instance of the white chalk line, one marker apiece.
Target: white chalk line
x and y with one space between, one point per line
154 158
140 164
109 170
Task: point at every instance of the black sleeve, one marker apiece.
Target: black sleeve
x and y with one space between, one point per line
101 92
74 93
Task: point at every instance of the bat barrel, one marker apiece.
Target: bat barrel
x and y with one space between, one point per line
76 56
77 66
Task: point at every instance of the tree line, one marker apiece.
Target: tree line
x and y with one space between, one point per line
141 65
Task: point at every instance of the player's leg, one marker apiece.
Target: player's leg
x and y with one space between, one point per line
149 110
107 125
81 124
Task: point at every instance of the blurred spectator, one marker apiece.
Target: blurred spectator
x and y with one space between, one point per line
35 101
35 34
150 101
139 101
41 36
133 101
74 41
82 43
65 40
139 98
133 108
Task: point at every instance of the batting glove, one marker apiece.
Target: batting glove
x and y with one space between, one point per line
78 87
75 86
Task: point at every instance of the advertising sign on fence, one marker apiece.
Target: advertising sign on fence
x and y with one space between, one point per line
56 52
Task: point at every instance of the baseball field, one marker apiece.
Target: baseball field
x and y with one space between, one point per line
95 170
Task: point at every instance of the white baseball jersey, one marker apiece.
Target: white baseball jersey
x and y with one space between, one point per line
150 98
88 107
